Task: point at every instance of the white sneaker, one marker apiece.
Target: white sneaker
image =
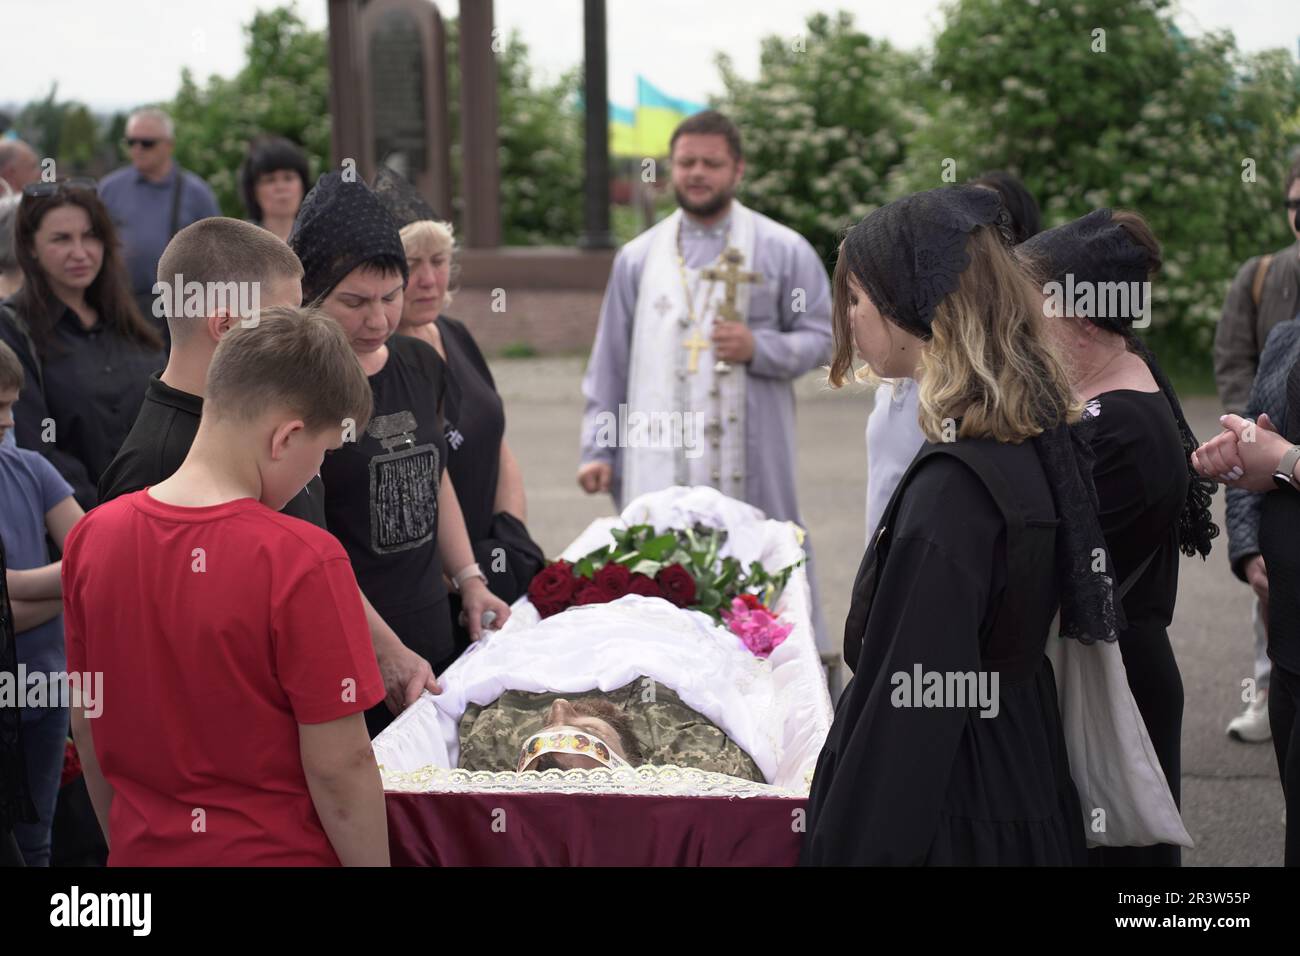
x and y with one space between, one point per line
1251 725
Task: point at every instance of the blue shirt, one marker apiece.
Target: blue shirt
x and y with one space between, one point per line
142 212
29 487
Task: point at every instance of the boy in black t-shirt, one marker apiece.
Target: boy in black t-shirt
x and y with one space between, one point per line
240 268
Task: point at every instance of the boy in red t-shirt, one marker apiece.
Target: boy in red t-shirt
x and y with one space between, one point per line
235 659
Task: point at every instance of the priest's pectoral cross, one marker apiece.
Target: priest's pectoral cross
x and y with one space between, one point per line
731 276
695 344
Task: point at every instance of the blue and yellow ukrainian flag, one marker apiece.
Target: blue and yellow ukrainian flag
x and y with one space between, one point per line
645 131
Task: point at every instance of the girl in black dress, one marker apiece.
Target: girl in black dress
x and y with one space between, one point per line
388 497
947 745
1151 502
489 483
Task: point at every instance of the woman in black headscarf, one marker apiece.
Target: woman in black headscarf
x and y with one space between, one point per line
1096 273
388 496
947 745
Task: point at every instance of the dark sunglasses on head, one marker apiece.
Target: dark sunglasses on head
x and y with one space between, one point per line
43 189
142 143
1292 204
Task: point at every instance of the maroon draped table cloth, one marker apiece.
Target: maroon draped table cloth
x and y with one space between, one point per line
503 828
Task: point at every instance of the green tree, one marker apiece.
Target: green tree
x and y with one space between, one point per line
40 122
283 88
540 146
78 141
67 132
824 124
1138 116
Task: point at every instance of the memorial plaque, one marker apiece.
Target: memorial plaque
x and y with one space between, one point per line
397 94
388 91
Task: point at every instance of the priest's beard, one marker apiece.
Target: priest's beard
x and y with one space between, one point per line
709 207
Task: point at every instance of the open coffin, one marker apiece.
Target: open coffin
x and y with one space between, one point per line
777 710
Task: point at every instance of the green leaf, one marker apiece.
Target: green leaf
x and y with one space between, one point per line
648 568
585 568
680 556
656 548
714 545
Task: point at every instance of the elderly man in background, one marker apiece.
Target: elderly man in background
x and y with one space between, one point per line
19 165
151 200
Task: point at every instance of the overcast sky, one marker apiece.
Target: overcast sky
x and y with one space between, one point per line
113 54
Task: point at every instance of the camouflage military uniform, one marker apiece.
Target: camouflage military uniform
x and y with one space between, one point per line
667 731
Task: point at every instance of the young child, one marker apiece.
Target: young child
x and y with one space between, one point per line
34 501
231 640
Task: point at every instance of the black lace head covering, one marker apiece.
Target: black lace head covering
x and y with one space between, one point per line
1026 220
1097 249
402 200
909 255
342 225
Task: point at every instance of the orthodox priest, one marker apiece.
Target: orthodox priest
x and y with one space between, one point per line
707 320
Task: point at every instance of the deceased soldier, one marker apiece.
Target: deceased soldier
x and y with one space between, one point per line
642 722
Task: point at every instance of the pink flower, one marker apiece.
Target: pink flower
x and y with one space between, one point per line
758 628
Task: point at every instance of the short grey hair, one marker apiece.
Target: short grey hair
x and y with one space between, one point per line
160 116
8 217
11 150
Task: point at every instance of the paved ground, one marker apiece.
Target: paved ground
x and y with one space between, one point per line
1232 801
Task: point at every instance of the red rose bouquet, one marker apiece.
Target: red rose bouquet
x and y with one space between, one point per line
683 567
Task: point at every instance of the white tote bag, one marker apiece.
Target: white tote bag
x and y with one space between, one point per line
1122 790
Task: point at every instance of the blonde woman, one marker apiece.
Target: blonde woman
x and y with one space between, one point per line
947 746
486 475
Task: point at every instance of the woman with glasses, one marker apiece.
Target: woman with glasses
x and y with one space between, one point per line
86 350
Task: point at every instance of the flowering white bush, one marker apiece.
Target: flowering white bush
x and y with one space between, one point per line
1156 122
